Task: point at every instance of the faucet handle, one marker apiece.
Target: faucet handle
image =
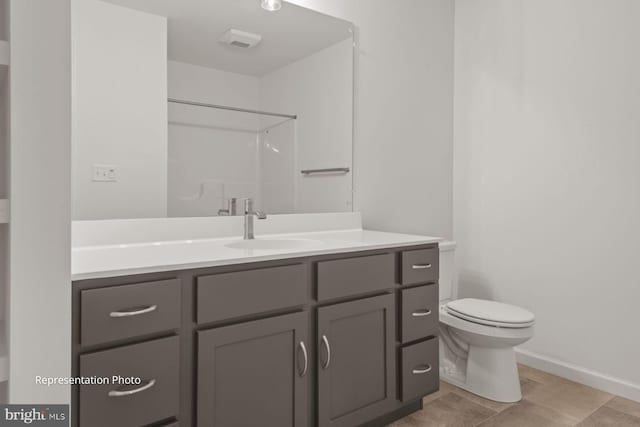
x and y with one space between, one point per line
232 207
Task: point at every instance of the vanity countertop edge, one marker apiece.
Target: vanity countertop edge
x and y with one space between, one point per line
97 262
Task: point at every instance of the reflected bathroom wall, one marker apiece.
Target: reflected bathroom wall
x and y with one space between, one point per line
217 154
319 91
277 173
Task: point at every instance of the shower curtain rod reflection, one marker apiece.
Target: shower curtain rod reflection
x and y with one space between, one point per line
224 107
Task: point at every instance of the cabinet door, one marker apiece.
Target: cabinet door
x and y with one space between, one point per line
254 374
357 362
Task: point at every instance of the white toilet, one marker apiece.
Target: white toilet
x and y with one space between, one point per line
477 338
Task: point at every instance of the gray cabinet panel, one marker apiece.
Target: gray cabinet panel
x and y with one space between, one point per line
253 374
118 312
229 295
356 357
420 266
419 312
352 276
420 369
155 362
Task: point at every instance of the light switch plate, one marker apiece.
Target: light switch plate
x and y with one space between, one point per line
105 173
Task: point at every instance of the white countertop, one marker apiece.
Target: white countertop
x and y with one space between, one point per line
91 262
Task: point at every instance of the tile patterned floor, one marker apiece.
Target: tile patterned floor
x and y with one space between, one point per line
548 401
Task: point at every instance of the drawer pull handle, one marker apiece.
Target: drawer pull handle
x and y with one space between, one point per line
422 369
421 266
306 358
325 341
117 393
134 313
421 313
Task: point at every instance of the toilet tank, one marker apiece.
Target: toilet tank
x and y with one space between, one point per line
448 277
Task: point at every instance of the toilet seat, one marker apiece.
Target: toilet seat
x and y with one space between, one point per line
490 313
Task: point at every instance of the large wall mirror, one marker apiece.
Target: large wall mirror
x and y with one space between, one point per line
180 106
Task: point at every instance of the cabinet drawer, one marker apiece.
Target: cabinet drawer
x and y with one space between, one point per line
420 374
229 295
352 276
156 398
419 312
420 266
127 311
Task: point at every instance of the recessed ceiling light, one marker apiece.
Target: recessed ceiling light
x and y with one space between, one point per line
272 5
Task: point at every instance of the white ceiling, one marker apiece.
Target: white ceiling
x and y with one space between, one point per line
288 35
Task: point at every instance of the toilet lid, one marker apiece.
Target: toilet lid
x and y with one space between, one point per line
491 313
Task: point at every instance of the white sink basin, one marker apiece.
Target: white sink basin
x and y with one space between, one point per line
274 244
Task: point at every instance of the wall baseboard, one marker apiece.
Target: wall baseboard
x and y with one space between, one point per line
579 374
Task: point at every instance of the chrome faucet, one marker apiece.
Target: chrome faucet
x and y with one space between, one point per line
249 213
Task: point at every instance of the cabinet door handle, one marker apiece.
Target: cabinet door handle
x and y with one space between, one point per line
325 341
422 369
420 266
421 313
145 310
306 358
117 393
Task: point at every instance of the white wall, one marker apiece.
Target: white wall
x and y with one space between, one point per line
547 124
319 90
120 110
404 119
40 191
194 83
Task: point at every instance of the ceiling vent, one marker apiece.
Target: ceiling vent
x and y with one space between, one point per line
240 38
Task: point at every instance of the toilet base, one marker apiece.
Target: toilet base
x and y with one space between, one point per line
492 373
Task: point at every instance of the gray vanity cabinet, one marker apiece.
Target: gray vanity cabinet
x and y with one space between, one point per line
336 340
356 358
254 374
